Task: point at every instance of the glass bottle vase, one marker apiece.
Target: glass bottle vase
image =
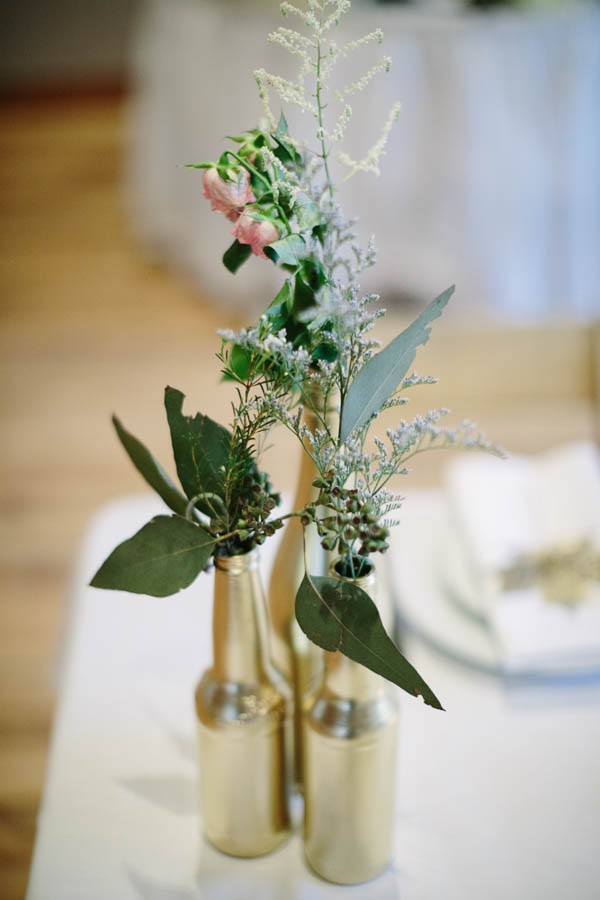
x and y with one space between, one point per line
298 659
241 711
350 766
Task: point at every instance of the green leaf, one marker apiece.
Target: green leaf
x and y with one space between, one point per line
307 213
383 373
325 350
202 165
285 149
290 250
338 615
282 126
201 448
151 470
309 280
278 311
239 361
286 152
163 557
236 255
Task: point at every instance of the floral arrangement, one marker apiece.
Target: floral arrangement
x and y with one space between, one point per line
311 349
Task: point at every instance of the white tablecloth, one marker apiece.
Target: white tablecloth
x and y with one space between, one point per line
491 181
499 797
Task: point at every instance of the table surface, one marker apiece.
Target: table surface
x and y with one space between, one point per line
497 797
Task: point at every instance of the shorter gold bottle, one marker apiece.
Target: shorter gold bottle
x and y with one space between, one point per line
241 714
350 769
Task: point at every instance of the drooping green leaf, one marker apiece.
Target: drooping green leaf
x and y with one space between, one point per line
290 250
383 373
236 255
339 615
201 448
151 470
163 557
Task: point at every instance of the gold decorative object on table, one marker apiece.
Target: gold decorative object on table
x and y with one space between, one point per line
298 659
563 573
241 712
350 769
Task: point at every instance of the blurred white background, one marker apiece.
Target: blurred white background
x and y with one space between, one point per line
492 178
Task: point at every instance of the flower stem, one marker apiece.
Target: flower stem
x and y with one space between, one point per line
320 107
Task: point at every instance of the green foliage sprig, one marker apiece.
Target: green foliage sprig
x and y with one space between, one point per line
225 504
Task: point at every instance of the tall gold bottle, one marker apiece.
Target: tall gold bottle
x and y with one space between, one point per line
241 715
297 658
349 769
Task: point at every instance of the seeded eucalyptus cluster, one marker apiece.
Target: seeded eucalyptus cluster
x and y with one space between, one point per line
352 520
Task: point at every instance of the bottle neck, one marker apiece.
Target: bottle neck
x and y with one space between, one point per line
345 678
239 620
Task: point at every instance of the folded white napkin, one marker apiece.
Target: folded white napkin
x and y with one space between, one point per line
506 509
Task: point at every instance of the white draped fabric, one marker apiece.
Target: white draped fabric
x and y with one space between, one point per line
492 177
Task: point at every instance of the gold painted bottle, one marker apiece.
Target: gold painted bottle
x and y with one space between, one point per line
350 769
297 658
241 715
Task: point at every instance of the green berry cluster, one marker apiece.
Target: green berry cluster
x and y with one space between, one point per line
258 500
352 527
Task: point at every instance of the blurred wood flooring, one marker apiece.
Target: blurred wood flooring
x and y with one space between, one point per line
88 326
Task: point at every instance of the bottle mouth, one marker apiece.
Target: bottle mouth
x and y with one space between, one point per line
239 562
353 570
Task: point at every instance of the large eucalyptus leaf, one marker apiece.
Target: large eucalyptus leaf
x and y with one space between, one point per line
201 448
338 615
151 470
163 557
381 375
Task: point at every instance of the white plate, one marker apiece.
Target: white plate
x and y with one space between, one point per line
435 594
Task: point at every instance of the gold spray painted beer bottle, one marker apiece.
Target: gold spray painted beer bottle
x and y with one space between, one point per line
241 711
297 658
349 768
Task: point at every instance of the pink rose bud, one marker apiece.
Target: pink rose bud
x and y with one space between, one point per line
256 233
228 197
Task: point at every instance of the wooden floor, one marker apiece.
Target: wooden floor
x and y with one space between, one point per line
88 326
